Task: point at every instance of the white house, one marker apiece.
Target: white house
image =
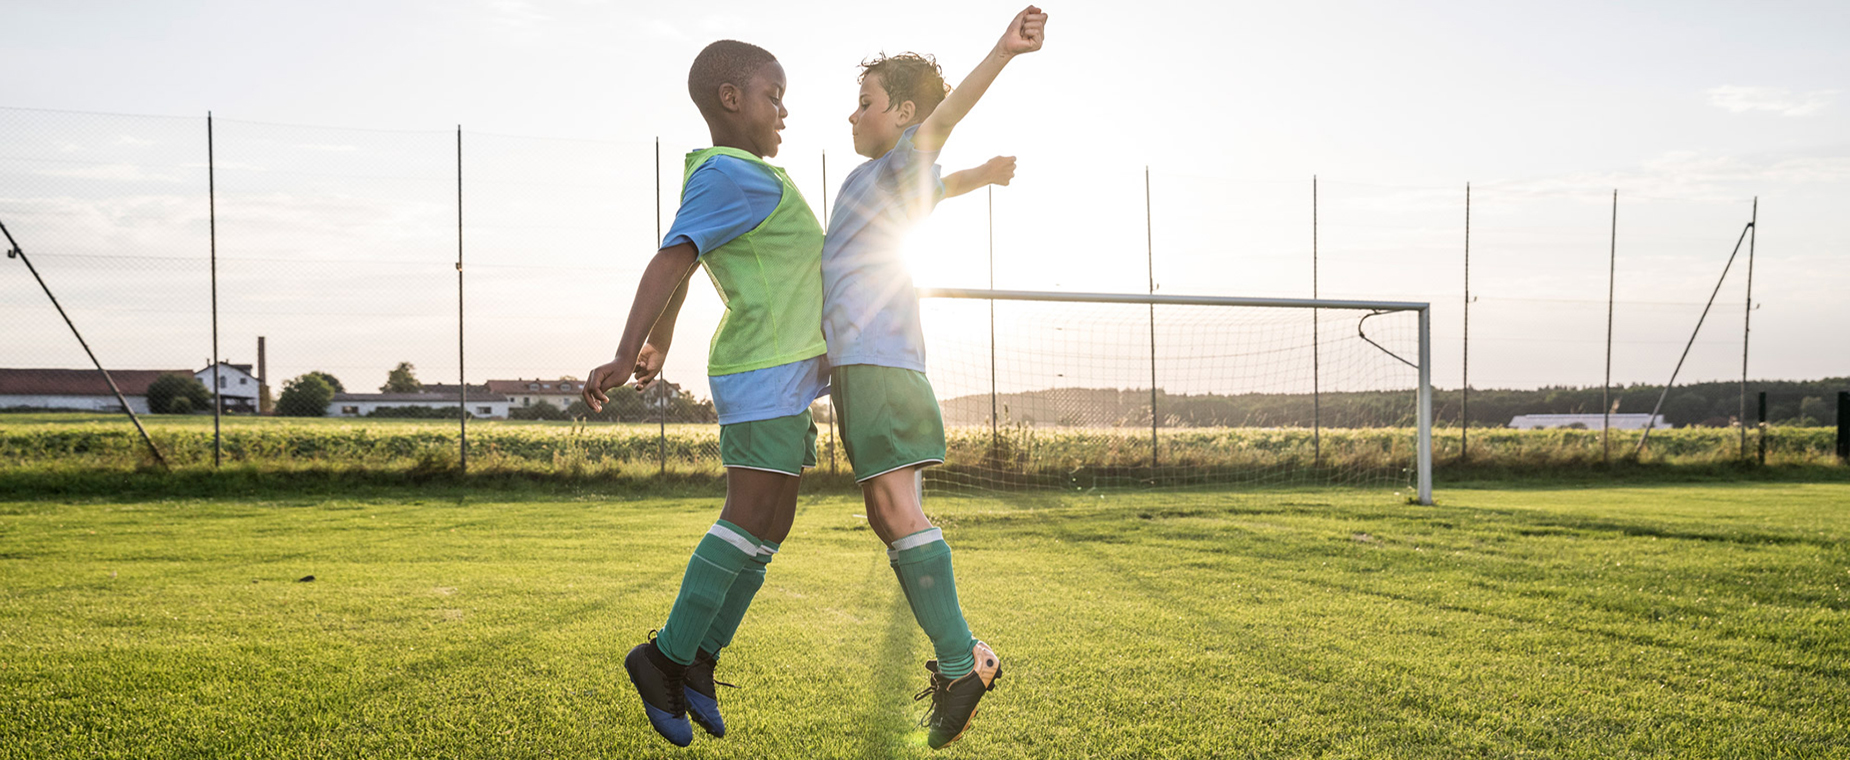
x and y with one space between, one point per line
524 393
236 385
482 403
1588 421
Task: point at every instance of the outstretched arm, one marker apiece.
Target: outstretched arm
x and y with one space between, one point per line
996 171
650 326
1025 34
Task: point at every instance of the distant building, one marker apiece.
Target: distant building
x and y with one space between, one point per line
1588 421
85 390
78 389
524 393
236 385
482 402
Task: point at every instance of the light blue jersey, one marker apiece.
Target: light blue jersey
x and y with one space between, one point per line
724 199
870 311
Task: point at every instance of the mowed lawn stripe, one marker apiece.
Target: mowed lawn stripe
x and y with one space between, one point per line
1629 622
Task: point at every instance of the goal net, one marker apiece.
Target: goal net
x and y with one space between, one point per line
1081 391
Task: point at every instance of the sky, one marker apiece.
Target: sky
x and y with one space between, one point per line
335 130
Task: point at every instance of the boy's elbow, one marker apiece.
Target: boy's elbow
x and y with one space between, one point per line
681 255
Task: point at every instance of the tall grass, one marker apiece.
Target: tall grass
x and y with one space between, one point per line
1013 456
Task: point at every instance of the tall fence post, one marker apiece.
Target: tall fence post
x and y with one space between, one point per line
1316 342
995 436
1843 426
1612 279
1150 262
834 430
661 401
218 385
1762 427
1464 401
462 375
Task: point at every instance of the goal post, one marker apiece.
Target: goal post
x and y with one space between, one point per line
1075 390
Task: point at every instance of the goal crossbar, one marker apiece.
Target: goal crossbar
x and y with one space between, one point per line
1288 303
1424 455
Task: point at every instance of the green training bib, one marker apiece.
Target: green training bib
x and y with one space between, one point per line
770 280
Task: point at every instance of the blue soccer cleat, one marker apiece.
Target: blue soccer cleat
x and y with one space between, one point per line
660 682
702 694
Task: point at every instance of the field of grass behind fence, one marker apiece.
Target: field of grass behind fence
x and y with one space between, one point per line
1018 454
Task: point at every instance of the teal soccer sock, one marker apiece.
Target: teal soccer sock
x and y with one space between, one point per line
723 552
923 563
738 599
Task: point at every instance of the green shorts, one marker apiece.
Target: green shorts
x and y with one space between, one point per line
782 444
889 418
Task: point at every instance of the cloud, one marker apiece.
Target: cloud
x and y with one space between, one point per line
111 172
1690 176
665 30
1779 100
516 13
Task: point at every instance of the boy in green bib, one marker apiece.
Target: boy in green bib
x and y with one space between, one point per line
890 423
744 221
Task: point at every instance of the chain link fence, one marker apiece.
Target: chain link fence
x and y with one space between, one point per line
378 298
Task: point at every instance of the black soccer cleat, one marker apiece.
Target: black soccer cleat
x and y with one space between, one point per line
953 702
661 684
702 694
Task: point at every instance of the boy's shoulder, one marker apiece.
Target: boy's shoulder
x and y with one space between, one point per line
730 174
734 165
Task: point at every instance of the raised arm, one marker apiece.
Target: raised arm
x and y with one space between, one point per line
996 171
651 319
1024 35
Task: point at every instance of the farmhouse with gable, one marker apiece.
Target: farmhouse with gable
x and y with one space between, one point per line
85 389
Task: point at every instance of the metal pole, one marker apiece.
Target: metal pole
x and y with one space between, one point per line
1316 343
1762 427
834 430
1843 427
462 375
1150 261
995 437
218 398
1692 340
1747 325
1464 403
661 405
15 252
1424 455
1612 278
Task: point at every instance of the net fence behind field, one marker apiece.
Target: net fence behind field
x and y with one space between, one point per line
460 280
1118 395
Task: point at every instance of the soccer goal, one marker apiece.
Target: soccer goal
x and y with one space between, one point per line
1075 391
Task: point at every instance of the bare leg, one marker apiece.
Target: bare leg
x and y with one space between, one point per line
763 503
895 503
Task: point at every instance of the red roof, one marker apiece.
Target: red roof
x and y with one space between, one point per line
80 382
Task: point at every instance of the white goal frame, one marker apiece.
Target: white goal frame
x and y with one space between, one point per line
1424 455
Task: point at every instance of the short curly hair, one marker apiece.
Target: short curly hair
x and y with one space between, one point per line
723 62
908 76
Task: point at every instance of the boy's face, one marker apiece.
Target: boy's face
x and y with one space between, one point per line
761 109
877 124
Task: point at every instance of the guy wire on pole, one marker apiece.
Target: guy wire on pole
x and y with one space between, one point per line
14 251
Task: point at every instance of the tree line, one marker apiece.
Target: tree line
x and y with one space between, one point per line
1711 404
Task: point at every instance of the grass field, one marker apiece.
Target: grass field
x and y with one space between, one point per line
1667 621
